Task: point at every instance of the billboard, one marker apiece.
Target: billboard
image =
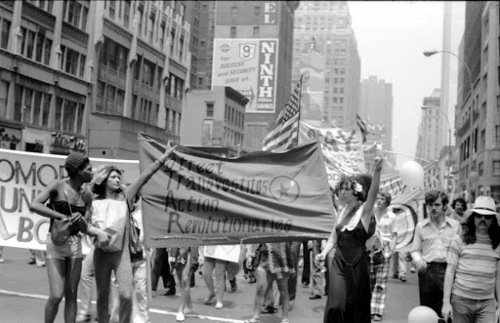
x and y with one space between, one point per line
248 65
312 67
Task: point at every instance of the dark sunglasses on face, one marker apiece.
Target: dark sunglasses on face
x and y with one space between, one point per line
486 216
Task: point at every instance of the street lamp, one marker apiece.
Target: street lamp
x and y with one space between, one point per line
426 107
471 87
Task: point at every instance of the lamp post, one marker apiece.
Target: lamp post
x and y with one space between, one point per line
426 107
471 87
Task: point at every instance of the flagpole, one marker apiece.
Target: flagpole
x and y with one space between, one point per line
300 107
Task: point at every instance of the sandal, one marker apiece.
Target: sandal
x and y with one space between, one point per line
209 299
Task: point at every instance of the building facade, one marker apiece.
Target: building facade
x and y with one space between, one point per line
141 68
89 75
428 142
44 75
477 114
217 118
328 25
248 45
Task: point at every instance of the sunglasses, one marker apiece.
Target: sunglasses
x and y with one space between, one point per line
486 216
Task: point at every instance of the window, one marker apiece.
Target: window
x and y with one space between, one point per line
256 32
234 12
110 99
4 33
72 62
126 13
112 6
232 33
497 136
148 73
68 114
76 14
172 41
496 167
4 95
256 11
151 27
181 48
210 109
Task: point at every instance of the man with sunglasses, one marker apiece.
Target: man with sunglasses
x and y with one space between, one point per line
430 247
472 275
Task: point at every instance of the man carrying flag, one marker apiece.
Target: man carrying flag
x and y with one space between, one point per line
277 261
362 126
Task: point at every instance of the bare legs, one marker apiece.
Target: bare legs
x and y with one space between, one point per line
64 276
264 284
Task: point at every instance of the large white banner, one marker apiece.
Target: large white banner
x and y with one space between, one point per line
248 65
22 176
342 150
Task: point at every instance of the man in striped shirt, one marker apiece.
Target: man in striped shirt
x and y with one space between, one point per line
430 247
473 271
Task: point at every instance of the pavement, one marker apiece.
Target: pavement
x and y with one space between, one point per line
24 289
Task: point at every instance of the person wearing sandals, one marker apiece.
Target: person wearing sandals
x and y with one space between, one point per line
184 261
110 212
349 291
276 264
68 201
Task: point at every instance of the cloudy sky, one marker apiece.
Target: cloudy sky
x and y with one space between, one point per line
391 37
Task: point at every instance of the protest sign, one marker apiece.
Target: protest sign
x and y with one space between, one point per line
23 176
202 199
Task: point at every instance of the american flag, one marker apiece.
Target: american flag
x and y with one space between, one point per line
285 130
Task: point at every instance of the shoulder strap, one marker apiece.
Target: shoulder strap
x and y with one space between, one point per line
67 200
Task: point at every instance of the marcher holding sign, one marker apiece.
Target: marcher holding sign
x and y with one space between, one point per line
349 292
111 212
68 209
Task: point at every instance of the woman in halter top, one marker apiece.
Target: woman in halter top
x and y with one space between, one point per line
68 201
349 291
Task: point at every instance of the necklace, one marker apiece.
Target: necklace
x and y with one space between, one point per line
76 197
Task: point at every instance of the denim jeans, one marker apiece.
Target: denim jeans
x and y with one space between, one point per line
467 310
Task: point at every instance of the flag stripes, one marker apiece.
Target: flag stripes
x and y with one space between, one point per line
284 134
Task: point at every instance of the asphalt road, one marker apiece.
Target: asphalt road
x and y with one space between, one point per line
24 289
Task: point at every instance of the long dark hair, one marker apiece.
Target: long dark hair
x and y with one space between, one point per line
364 180
493 231
101 177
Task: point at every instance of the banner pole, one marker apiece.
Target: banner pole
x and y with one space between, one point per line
300 108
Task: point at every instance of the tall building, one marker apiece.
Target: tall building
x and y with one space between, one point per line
375 107
428 143
141 65
45 75
328 25
247 45
89 75
477 115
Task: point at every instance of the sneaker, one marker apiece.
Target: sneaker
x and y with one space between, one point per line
395 276
413 269
180 317
219 305
402 278
2 260
31 262
40 265
305 284
377 318
170 291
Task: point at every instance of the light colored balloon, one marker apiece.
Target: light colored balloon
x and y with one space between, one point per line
422 314
473 177
412 174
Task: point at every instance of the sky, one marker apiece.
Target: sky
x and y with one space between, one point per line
391 37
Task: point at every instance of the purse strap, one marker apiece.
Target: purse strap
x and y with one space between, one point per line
67 201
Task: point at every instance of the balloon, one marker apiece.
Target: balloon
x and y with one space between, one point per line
412 174
422 314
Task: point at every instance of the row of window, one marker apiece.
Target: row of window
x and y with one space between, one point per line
110 99
232 137
36 46
232 115
75 13
72 62
145 110
114 56
4 32
33 107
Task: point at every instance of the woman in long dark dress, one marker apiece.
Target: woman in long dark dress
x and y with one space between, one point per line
349 291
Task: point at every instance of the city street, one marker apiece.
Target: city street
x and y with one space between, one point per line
24 290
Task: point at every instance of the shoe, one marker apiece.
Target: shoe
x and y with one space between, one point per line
315 297
84 319
305 285
31 262
2 260
402 278
413 269
234 286
395 276
40 265
285 320
170 292
268 309
377 318
252 320
209 299
180 317
219 305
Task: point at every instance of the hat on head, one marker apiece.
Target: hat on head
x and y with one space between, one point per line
74 162
484 205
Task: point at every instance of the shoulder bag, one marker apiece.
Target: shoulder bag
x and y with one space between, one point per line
60 229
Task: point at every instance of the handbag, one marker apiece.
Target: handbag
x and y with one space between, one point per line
60 229
135 244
